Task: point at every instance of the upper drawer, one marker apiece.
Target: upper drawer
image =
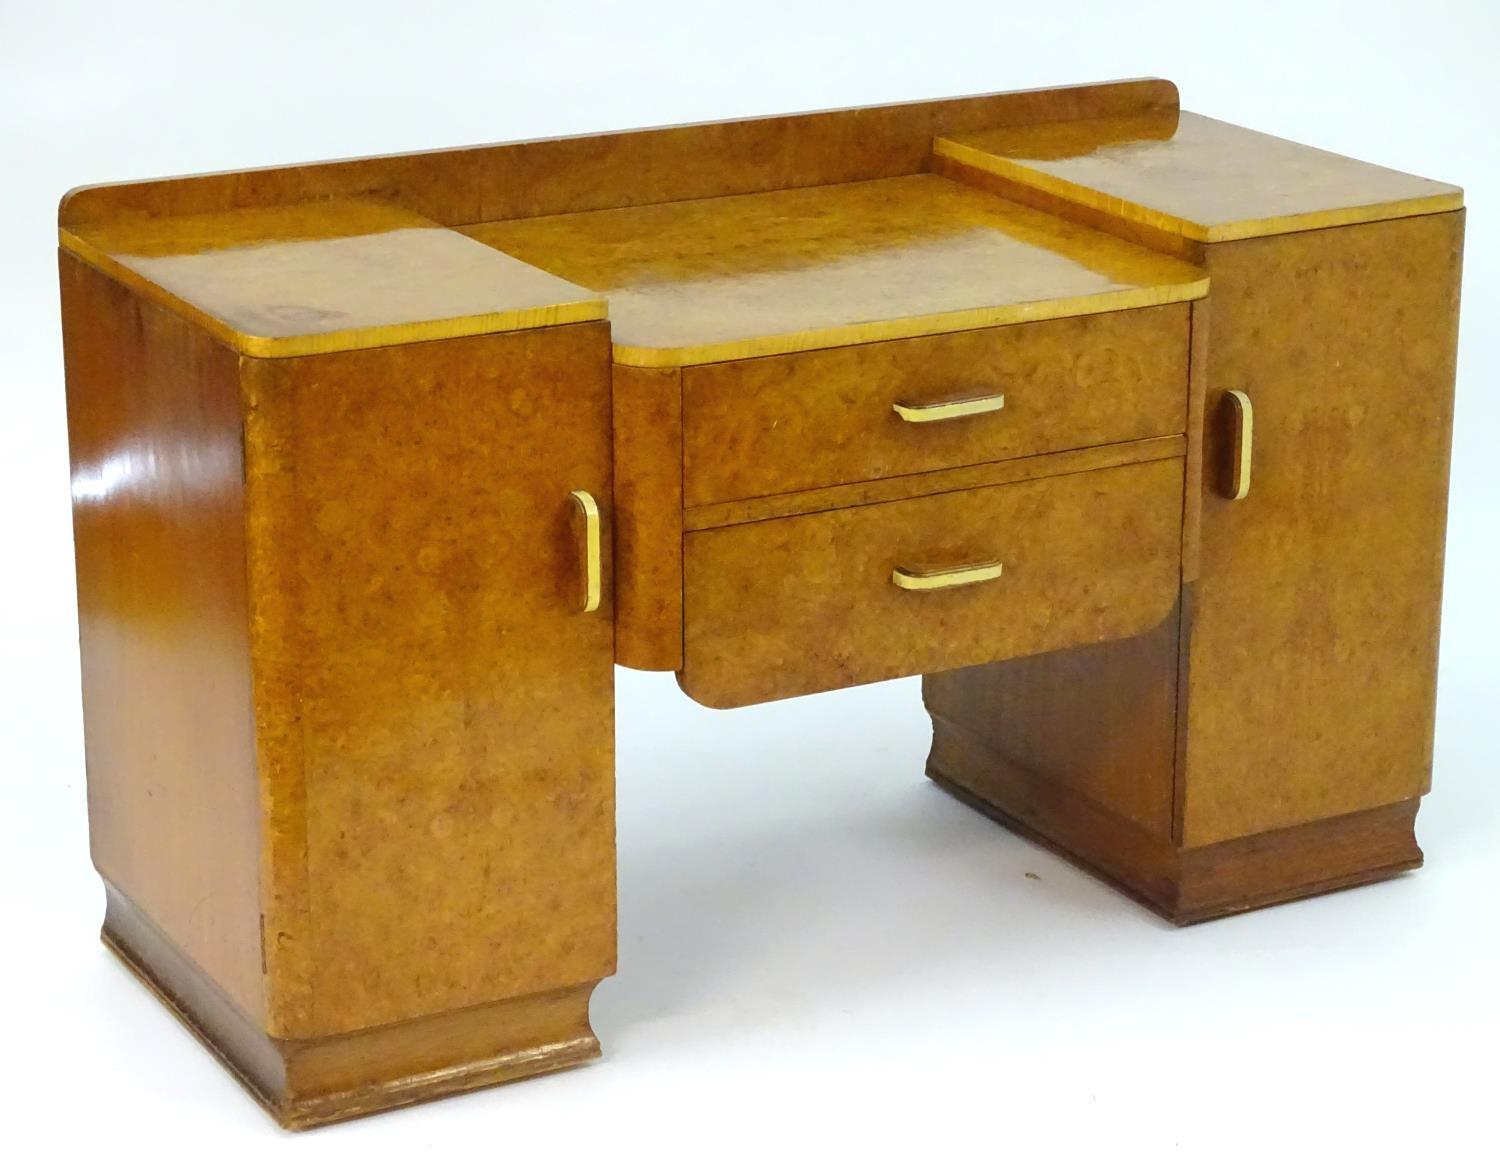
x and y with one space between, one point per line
781 423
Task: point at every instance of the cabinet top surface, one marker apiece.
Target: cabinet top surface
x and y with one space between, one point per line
1197 177
758 274
324 276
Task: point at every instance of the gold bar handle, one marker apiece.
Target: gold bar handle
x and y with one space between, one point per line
949 410
1243 414
593 570
941 580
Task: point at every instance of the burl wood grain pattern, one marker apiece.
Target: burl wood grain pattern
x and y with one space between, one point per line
1345 341
159 539
648 517
779 424
1193 176
716 279
565 175
794 605
327 277
436 712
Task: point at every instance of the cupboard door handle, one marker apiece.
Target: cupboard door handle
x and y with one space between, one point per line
949 410
1242 413
593 565
941 580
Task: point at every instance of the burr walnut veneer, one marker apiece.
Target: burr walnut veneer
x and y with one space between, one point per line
1126 428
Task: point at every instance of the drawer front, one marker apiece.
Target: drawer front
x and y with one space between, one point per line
794 605
781 423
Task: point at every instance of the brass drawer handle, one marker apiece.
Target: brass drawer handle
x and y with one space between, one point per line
593 569
941 580
1243 413
949 410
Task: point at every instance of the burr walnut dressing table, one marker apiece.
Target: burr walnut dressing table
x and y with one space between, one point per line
1128 429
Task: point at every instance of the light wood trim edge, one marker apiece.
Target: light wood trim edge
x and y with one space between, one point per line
914 485
846 335
379 336
1192 487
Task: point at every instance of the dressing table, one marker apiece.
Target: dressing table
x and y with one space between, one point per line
1126 428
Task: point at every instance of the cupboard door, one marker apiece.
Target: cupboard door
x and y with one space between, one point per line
1313 651
434 703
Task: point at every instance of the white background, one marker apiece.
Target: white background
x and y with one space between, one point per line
820 954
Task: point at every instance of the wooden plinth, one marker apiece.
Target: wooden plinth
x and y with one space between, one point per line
305 1083
1182 885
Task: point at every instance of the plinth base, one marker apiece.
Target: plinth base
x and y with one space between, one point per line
304 1083
1183 885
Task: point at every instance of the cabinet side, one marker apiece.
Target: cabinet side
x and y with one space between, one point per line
154 429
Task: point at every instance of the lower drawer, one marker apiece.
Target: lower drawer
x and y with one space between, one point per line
788 606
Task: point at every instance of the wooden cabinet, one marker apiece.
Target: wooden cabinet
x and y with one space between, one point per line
1297 681
350 730
379 466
